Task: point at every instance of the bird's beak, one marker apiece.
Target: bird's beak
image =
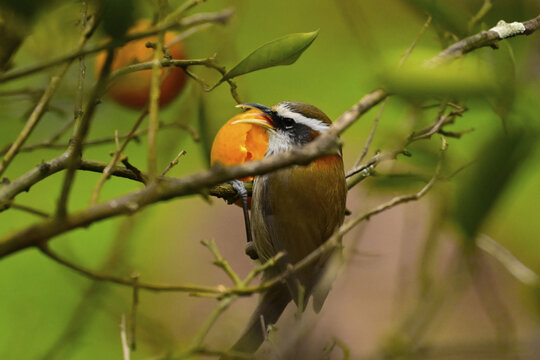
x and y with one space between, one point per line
262 119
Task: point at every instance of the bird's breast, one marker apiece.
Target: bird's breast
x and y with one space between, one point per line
296 209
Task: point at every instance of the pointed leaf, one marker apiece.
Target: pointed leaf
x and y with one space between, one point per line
283 51
483 184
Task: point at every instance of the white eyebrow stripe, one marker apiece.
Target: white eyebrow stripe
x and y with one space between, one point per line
315 124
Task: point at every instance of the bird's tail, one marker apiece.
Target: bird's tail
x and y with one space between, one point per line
270 307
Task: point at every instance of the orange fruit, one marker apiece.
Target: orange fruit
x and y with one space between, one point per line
133 89
235 144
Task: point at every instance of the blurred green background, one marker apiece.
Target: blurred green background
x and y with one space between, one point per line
48 311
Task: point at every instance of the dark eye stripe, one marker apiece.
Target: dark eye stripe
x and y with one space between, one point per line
288 123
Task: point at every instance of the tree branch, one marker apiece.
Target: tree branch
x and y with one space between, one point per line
202 18
196 183
193 184
484 38
50 143
41 106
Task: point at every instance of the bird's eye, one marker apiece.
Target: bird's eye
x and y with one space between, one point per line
288 123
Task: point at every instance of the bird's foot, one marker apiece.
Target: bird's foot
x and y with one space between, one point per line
240 188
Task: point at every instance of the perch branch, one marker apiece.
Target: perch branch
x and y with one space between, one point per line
189 185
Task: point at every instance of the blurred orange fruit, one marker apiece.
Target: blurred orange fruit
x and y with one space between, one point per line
133 89
235 144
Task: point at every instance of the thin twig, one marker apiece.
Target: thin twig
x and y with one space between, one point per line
325 144
76 323
41 106
371 134
208 62
50 144
333 241
173 163
82 125
28 209
123 338
33 120
193 184
221 262
155 91
402 60
241 289
411 47
116 157
128 281
482 39
426 133
436 127
222 306
201 18
486 6
262 267
133 313
177 13
31 92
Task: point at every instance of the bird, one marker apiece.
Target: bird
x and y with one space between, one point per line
294 210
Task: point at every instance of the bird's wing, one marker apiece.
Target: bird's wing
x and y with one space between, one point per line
302 212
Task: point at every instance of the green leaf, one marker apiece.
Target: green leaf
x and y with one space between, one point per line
461 80
484 183
283 51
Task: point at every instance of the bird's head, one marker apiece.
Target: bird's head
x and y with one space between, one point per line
289 124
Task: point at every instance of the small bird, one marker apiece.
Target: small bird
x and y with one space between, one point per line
293 210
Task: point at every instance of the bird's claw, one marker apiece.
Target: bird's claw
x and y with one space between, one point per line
240 188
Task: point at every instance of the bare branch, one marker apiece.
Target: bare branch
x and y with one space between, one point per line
221 262
50 143
10 204
482 39
82 125
116 157
129 281
486 6
133 313
34 118
41 106
220 309
153 106
323 145
371 134
173 163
